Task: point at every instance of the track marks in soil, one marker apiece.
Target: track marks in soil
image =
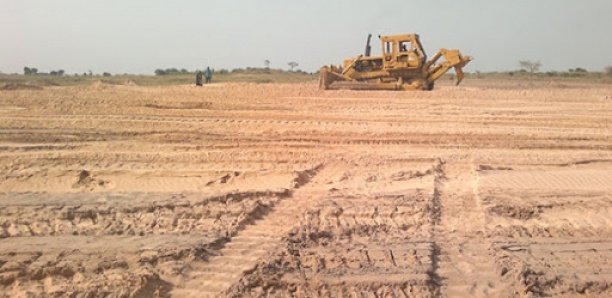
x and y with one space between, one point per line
569 179
464 267
478 231
435 214
219 215
168 238
241 252
557 268
180 105
552 243
537 214
358 245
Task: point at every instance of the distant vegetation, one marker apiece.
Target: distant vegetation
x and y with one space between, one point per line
248 74
32 71
170 71
293 65
34 78
222 71
28 71
530 66
595 77
172 76
58 73
577 70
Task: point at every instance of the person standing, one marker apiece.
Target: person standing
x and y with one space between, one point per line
208 75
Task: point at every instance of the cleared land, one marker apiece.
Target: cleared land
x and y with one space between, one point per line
280 190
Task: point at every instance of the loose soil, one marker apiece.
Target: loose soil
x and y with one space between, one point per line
281 190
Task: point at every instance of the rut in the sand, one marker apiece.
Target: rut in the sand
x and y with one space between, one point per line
464 267
240 254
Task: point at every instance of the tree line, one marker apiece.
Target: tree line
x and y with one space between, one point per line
30 71
525 66
170 71
33 71
175 71
533 67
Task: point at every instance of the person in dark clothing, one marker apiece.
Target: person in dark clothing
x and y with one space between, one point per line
198 78
208 75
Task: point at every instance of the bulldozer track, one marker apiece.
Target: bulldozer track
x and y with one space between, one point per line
241 252
591 124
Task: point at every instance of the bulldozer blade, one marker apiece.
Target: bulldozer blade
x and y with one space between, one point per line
330 75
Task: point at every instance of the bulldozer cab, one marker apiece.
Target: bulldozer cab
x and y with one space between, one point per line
402 52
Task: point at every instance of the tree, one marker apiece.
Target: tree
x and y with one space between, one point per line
30 71
608 70
293 65
530 66
267 63
160 72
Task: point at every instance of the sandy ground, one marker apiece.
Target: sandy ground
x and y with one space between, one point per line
248 190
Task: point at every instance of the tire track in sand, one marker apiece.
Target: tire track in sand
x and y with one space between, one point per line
462 264
241 253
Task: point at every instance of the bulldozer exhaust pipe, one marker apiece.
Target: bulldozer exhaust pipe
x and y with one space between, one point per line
368 48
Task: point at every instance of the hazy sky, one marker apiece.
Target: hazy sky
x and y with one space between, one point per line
138 36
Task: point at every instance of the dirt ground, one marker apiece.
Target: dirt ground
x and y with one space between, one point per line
281 190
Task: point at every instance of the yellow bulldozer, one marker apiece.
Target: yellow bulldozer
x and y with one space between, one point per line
402 66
